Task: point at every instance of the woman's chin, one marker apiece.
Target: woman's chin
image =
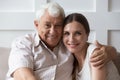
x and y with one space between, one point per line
72 50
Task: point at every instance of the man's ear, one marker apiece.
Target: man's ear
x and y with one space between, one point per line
36 23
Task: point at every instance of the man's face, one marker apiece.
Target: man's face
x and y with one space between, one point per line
50 29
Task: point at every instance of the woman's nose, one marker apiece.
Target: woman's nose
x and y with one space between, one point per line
71 38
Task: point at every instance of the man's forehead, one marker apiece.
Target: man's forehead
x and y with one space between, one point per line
46 14
48 18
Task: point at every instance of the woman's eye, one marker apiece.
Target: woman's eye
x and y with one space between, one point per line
78 33
66 33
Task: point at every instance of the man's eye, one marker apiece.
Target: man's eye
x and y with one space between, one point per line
58 25
47 25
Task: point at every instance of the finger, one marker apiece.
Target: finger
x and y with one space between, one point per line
98 64
96 54
98 44
103 48
98 58
105 55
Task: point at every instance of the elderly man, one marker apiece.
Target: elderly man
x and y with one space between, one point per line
42 55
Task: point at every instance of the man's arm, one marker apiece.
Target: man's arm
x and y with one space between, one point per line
103 55
24 74
112 53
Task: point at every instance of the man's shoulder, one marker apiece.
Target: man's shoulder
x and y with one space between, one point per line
25 39
28 36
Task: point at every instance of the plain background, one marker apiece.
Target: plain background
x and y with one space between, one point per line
16 18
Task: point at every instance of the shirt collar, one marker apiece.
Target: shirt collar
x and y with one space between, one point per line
38 41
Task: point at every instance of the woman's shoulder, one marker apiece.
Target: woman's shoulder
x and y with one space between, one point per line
91 48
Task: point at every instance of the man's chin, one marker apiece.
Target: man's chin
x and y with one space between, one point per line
52 42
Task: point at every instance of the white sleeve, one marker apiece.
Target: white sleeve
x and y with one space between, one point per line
20 55
91 48
112 72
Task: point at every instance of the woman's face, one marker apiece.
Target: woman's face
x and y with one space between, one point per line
74 36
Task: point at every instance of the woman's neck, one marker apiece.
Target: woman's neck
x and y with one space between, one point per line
80 56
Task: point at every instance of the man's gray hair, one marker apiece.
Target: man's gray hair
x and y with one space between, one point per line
53 8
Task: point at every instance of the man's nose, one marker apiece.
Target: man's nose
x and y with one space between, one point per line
52 30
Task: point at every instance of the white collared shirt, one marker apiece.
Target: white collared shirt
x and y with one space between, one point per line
29 51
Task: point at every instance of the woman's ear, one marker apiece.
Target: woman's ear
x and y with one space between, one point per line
36 23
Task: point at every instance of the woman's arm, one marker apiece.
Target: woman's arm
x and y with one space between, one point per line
96 72
24 74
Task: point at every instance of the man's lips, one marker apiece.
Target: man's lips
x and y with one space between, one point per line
52 37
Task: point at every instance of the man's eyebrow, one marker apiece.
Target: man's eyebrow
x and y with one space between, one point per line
47 22
61 22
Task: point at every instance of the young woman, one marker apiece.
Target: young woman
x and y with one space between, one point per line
75 37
